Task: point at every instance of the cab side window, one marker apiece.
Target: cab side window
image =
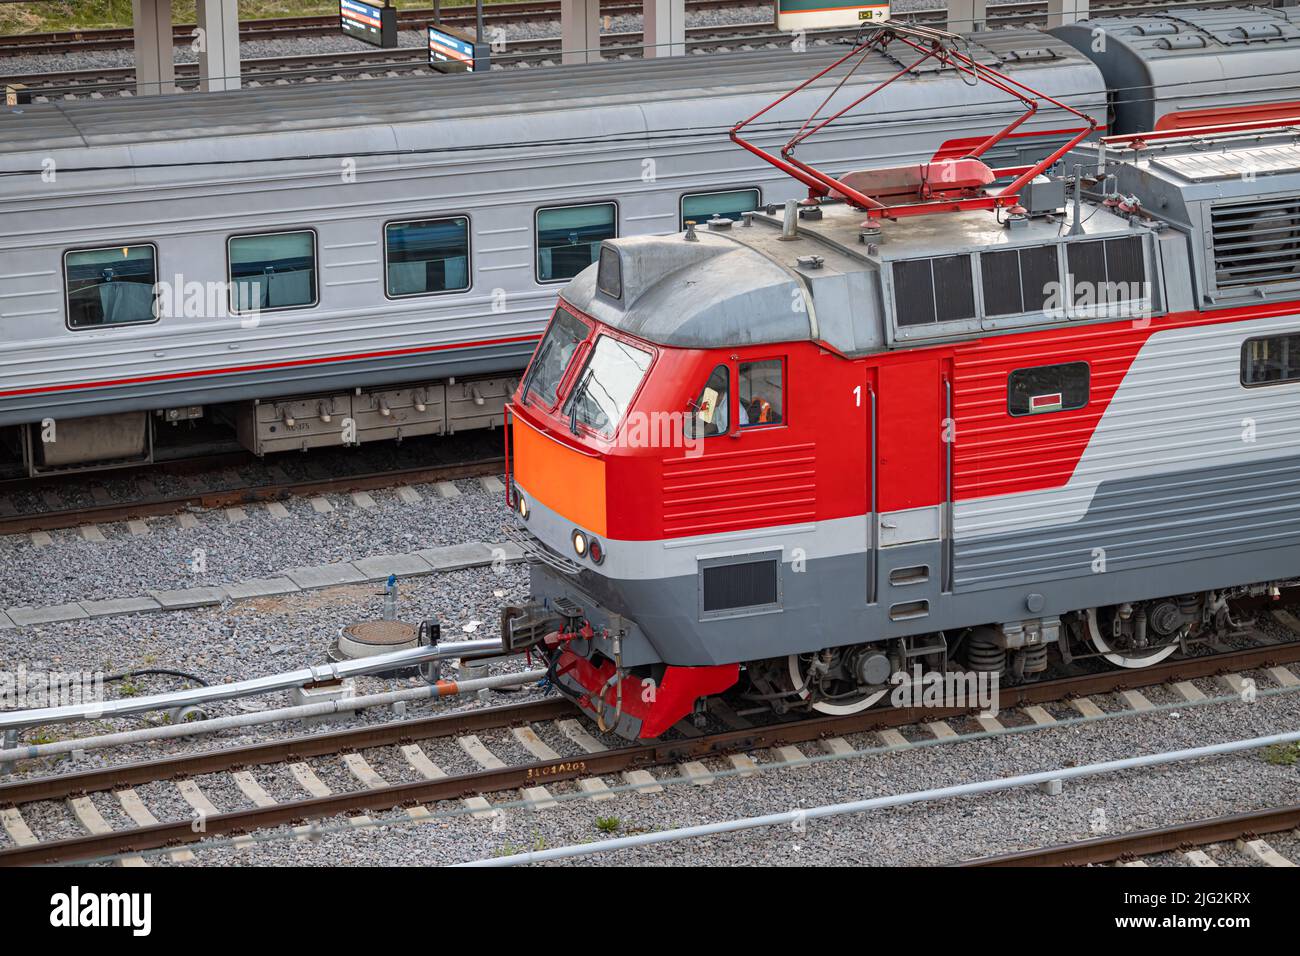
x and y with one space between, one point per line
1048 388
761 392
712 407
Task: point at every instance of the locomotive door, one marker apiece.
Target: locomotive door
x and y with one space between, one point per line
910 487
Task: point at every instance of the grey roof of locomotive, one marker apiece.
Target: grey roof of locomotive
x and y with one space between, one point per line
1192 59
744 285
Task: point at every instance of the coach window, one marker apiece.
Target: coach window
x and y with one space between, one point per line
272 271
426 256
569 238
113 286
701 207
762 401
1270 361
1048 388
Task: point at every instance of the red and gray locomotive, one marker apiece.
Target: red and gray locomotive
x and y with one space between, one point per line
942 414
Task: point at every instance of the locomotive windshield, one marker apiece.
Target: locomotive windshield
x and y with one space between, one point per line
554 355
607 385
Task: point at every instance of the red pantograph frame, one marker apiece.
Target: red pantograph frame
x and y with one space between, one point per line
931 45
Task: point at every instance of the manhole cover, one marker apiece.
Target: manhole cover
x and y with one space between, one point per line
368 638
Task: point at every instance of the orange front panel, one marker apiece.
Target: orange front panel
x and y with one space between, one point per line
562 478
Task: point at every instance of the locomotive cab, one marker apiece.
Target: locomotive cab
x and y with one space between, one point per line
641 424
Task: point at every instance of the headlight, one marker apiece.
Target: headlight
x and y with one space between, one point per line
579 543
523 506
595 551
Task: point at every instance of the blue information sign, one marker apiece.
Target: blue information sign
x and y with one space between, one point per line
365 21
452 52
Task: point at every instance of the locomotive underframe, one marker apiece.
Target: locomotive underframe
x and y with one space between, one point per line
818 649
843 677
657 591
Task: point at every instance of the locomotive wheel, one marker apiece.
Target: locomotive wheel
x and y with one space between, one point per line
797 668
1122 657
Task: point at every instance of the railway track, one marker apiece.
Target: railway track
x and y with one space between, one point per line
146 500
526 729
282 28
76 41
360 63
1242 831
364 63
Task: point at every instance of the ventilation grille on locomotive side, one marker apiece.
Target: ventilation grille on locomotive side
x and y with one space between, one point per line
1256 243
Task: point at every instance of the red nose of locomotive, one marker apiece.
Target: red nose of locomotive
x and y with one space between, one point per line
594 417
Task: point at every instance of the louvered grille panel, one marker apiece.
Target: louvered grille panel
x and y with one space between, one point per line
1256 243
744 585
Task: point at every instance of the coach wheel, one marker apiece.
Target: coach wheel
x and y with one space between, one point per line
1113 649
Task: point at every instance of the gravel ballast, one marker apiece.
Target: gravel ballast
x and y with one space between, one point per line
217 551
252 639
932 833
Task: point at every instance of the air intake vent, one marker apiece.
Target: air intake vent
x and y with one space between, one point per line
1256 243
739 586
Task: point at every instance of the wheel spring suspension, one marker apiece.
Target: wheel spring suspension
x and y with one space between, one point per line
986 656
1035 659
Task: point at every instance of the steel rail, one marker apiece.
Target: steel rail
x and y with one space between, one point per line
223 498
342 707
1146 842
363 60
120 38
566 768
350 63
457 724
932 795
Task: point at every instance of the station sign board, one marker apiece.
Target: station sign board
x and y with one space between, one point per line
369 23
451 51
816 14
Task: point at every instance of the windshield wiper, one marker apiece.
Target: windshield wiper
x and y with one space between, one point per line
578 390
532 370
